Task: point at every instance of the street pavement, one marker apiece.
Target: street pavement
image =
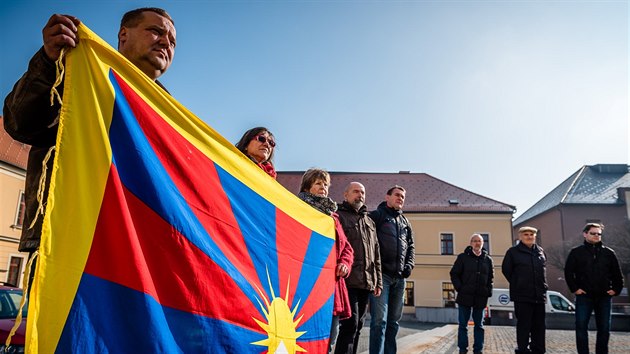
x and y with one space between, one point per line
431 338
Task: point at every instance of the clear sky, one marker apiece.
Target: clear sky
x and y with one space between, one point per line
503 98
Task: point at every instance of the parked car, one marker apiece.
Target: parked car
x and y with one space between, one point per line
556 302
10 299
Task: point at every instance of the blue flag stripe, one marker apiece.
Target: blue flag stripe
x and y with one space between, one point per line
143 174
107 317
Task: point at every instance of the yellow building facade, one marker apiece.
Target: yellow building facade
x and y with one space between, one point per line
13 159
439 238
12 262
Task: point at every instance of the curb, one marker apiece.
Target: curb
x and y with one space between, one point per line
416 343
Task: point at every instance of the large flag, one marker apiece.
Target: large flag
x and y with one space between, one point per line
160 237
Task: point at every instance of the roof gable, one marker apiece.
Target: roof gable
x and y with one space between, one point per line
596 184
12 152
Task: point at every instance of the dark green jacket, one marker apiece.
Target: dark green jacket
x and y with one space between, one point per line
361 233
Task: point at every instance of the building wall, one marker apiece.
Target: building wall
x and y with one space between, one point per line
432 268
11 186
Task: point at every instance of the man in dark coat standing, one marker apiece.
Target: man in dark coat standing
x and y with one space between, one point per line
593 274
396 246
472 276
524 267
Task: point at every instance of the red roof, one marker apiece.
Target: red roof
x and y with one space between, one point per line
425 193
11 151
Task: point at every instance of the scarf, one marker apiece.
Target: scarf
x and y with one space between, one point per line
266 166
323 204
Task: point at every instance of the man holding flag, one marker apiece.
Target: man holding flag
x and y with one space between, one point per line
146 37
158 235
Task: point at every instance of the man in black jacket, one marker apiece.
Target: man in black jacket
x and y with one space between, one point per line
146 37
472 275
524 267
395 239
593 274
365 277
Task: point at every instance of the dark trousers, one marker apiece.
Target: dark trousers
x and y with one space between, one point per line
462 331
350 328
602 307
530 327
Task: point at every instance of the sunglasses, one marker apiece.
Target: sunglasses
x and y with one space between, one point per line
595 233
263 139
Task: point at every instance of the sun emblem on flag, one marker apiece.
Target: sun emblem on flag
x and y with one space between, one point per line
281 326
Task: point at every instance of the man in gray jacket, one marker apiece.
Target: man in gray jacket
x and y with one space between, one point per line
365 277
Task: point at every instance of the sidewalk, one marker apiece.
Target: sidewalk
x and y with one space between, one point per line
499 340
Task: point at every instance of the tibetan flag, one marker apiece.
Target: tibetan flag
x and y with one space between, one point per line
161 237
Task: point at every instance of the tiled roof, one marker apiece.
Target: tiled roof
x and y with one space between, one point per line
425 193
11 151
596 184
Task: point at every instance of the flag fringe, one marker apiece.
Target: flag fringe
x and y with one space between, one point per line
54 93
42 187
59 71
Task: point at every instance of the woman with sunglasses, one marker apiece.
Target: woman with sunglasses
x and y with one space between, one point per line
258 144
314 191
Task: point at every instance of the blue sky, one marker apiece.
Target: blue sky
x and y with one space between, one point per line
503 98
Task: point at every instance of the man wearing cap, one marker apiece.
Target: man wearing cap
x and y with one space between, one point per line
593 274
524 267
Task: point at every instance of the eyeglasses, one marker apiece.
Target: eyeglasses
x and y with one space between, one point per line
595 233
263 139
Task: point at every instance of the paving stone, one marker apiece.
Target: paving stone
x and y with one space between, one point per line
498 340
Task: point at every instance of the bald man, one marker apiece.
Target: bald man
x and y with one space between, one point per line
365 277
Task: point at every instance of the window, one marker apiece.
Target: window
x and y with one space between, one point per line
409 296
447 243
15 270
558 303
10 303
448 294
486 242
21 208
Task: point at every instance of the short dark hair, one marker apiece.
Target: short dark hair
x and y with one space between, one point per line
311 176
591 225
133 17
391 190
251 134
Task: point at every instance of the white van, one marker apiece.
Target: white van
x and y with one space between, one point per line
556 302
